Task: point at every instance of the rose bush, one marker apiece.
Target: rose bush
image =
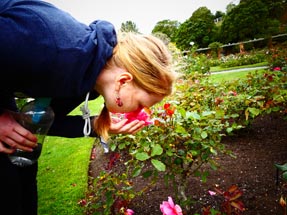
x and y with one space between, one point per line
185 135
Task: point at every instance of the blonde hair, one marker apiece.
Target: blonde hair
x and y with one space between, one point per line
148 59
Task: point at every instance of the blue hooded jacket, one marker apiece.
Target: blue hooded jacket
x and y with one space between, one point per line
45 52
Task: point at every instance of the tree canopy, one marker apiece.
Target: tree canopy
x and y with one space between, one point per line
248 20
198 29
129 26
167 27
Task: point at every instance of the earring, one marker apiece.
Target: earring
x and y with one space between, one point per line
119 102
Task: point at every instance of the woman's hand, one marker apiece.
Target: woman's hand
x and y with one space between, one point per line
13 136
122 127
129 123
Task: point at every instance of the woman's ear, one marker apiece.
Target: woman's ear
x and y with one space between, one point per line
123 79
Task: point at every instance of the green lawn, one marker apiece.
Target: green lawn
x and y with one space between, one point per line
219 77
63 171
218 68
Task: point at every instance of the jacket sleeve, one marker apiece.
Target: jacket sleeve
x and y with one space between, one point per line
45 52
7 102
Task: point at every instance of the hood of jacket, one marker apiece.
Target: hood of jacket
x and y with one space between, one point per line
45 52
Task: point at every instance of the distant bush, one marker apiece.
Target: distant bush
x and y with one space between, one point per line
243 59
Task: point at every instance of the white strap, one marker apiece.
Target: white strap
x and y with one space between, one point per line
86 116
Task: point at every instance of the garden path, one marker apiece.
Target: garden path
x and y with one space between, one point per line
241 69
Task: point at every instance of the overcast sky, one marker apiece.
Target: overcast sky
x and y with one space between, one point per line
145 13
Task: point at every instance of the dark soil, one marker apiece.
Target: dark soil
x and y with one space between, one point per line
257 148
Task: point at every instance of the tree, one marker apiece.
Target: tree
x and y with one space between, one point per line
129 26
167 27
219 14
216 49
198 29
276 8
248 20
229 7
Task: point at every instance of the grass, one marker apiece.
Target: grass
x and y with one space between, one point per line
219 77
64 162
218 68
62 176
63 171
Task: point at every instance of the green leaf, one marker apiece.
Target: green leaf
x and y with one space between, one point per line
203 134
142 156
204 176
113 146
194 152
109 198
207 113
213 151
193 115
254 111
136 171
213 164
156 150
235 115
282 167
178 161
169 153
180 129
229 130
160 166
147 174
219 113
180 152
122 146
182 112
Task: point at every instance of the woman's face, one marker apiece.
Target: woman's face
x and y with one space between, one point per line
119 83
132 98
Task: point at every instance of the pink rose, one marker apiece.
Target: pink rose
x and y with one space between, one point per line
277 68
141 115
233 93
169 208
129 212
212 193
